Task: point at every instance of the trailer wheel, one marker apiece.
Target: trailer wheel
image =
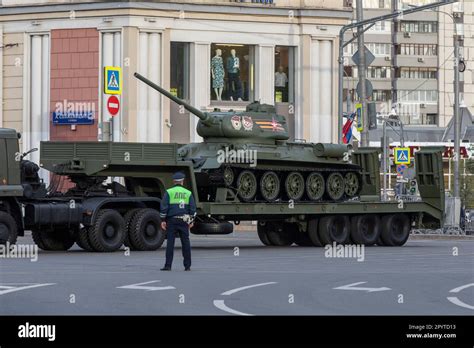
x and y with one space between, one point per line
395 229
262 234
313 232
128 221
205 228
302 239
145 230
107 233
82 239
8 229
365 229
334 228
38 239
60 239
279 235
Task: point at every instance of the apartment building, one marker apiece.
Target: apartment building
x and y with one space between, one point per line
413 66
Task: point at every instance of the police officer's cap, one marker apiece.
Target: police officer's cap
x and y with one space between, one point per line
178 176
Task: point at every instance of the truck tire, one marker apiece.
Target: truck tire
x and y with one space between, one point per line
262 234
203 228
128 221
8 229
145 230
107 232
395 229
280 235
313 232
82 239
365 229
302 239
38 239
334 228
60 239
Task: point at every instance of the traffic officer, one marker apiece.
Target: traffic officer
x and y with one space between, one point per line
177 213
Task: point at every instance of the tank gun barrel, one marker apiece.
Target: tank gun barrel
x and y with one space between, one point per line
203 116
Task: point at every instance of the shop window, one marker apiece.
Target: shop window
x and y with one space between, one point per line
284 74
179 79
232 72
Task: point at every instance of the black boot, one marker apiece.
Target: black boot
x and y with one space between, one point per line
166 268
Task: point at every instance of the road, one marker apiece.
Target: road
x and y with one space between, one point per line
236 275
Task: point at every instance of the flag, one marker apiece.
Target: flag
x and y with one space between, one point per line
347 129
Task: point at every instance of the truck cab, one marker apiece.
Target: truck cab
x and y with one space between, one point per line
11 190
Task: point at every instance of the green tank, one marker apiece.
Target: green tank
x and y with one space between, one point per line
248 153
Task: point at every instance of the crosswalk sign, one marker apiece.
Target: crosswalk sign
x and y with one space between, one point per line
360 126
402 155
113 80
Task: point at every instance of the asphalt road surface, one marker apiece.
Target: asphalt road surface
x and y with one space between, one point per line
236 275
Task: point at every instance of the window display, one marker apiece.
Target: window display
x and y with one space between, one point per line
284 74
231 72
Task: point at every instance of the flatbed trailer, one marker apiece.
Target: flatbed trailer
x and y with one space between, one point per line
115 192
102 217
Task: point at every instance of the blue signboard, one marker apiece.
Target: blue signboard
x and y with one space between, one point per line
73 117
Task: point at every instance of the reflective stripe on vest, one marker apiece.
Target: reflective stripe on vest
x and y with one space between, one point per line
179 195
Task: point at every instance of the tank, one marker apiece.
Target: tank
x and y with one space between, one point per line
249 153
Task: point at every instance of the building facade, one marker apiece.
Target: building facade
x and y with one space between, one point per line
211 54
413 66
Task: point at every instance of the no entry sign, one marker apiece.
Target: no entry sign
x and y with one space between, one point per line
113 105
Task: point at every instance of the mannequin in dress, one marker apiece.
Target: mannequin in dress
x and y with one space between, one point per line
217 73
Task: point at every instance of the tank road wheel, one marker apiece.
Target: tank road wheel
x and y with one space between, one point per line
262 233
229 176
294 186
313 232
82 239
352 184
365 229
8 229
315 186
395 229
129 215
280 234
269 186
334 228
145 230
107 233
247 185
59 239
335 186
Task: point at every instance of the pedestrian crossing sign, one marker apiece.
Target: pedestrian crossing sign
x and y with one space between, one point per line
402 155
113 80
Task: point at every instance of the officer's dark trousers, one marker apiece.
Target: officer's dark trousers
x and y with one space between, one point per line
181 227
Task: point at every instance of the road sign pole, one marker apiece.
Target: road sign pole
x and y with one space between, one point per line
384 159
362 74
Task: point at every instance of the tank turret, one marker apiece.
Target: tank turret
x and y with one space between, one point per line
258 124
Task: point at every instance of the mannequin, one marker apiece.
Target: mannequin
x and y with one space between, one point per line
217 73
233 72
